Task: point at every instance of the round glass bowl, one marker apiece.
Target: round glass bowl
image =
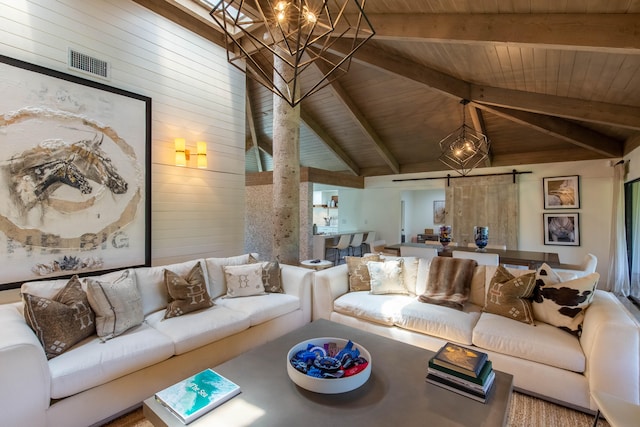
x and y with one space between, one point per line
328 385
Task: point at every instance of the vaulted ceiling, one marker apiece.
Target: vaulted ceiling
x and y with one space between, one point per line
548 81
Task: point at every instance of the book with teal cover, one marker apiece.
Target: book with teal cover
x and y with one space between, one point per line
196 395
460 359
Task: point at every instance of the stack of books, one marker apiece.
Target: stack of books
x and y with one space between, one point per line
462 370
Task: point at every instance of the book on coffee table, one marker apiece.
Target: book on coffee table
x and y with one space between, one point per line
480 396
488 376
197 395
460 359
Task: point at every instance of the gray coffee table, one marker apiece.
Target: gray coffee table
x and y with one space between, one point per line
396 394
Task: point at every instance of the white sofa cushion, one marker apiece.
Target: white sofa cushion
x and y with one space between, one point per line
541 343
93 362
199 328
261 308
440 321
375 308
152 287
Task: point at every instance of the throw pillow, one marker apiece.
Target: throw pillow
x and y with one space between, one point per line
449 282
562 304
271 278
117 304
508 295
386 277
186 294
60 322
358 273
244 280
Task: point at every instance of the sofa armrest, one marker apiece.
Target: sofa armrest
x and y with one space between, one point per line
328 285
297 281
611 342
25 382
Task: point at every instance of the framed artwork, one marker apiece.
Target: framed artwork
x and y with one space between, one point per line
74 175
562 229
561 192
438 212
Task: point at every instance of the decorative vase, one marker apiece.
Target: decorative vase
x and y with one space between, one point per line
445 236
481 236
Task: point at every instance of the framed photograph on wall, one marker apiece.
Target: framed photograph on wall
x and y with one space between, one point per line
438 212
562 229
74 175
561 192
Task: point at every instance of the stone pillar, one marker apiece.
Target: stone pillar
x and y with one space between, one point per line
286 175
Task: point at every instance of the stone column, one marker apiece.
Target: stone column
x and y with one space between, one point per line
286 174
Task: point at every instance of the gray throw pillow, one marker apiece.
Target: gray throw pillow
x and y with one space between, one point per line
117 304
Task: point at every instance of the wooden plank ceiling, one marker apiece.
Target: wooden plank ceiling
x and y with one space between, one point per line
548 81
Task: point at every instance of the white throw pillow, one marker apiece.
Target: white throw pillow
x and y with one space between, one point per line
244 280
386 277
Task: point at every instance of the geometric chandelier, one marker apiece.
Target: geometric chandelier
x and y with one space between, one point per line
275 42
465 148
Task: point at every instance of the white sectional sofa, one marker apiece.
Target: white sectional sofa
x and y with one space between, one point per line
95 380
545 361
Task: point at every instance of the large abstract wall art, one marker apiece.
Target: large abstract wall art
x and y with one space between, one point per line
74 175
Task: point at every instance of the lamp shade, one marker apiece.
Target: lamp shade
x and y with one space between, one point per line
181 158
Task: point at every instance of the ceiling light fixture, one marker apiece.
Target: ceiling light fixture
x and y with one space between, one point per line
297 32
465 148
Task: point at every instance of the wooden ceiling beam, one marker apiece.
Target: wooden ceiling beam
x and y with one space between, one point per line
362 122
563 129
592 32
252 130
570 108
399 66
329 142
479 126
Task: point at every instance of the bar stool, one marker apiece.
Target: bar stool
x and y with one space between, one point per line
356 242
343 243
368 242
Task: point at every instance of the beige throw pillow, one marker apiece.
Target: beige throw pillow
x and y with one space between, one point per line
186 294
386 277
244 280
508 295
358 273
117 304
60 322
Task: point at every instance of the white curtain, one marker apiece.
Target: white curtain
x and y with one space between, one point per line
635 257
618 264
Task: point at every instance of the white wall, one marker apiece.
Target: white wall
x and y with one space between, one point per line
381 206
195 94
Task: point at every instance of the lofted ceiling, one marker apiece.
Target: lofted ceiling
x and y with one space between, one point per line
548 81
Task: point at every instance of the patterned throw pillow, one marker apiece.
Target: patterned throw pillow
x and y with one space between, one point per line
186 294
562 304
359 279
386 277
508 295
244 280
271 277
60 322
117 304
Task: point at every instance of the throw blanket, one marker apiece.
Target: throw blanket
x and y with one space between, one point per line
449 281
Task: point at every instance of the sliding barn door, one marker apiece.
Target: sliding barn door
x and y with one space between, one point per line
484 201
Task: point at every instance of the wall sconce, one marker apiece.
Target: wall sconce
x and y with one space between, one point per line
202 154
182 154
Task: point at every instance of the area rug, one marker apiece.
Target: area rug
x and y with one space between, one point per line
525 411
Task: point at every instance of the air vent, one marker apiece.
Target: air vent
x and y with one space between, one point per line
88 64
